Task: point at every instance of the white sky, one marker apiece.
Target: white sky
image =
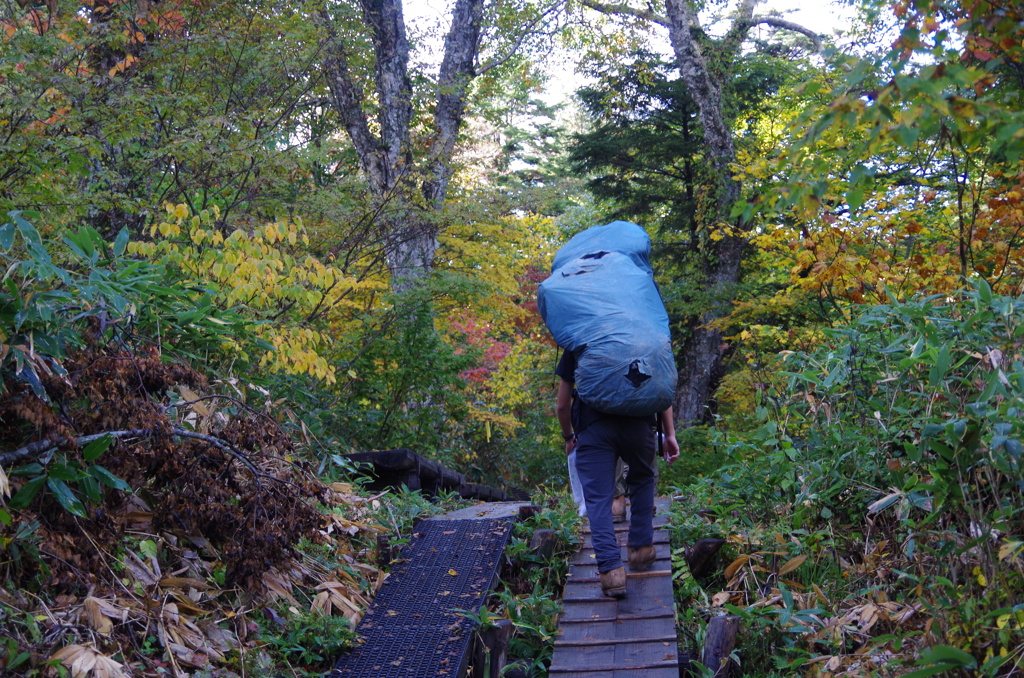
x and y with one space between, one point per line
821 16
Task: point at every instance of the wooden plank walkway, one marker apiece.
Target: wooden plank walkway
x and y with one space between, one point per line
632 637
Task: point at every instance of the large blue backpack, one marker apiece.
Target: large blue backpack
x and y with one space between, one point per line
601 303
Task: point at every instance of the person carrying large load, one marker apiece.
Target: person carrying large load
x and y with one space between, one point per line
618 380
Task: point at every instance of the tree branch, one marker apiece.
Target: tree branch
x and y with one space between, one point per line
626 10
779 22
38 448
461 46
524 32
346 98
394 89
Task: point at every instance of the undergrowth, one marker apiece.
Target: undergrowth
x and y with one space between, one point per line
873 518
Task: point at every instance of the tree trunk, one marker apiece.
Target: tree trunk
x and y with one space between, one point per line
386 157
702 354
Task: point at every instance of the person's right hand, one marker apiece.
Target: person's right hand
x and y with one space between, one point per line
570 445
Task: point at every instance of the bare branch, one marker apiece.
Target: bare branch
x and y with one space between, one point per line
347 97
524 33
38 448
626 10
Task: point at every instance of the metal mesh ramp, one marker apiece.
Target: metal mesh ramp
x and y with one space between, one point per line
411 629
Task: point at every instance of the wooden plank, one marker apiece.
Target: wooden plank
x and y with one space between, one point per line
594 619
660 653
591 669
650 672
660 521
629 575
647 628
660 537
615 641
579 572
585 556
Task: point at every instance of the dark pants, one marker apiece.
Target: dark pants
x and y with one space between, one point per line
599 446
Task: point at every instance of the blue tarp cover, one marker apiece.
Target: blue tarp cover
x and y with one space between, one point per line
601 303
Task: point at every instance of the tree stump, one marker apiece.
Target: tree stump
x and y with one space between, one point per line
701 555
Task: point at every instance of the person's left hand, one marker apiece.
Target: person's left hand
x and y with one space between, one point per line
669 448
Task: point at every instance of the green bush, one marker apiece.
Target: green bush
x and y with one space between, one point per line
905 427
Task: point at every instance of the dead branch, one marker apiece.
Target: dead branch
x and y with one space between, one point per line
40 447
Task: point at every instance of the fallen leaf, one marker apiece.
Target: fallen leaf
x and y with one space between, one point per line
184 583
735 565
97 620
792 565
82 661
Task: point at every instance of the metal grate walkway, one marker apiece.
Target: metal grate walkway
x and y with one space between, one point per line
412 630
635 637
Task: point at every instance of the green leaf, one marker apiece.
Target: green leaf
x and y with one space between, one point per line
985 291
5 517
27 493
107 478
96 448
929 671
121 242
940 367
66 497
65 472
855 198
19 660
949 655
33 469
7 236
91 487
149 548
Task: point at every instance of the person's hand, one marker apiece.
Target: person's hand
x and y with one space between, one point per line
570 445
669 448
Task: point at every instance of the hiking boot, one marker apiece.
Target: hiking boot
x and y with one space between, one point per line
641 558
619 509
613 583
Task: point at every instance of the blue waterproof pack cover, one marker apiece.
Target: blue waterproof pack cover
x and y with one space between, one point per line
601 303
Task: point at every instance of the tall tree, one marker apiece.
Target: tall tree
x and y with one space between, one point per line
410 183
706 65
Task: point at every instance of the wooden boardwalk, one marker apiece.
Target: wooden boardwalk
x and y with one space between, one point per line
635 637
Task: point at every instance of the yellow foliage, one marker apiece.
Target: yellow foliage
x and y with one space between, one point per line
509 255
257 271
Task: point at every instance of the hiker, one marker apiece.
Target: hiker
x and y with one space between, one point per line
600 441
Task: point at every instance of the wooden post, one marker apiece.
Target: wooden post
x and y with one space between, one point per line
528 511
543 543
719 643
491 651
385 551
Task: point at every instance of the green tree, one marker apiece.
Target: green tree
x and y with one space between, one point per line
108 110
707 66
